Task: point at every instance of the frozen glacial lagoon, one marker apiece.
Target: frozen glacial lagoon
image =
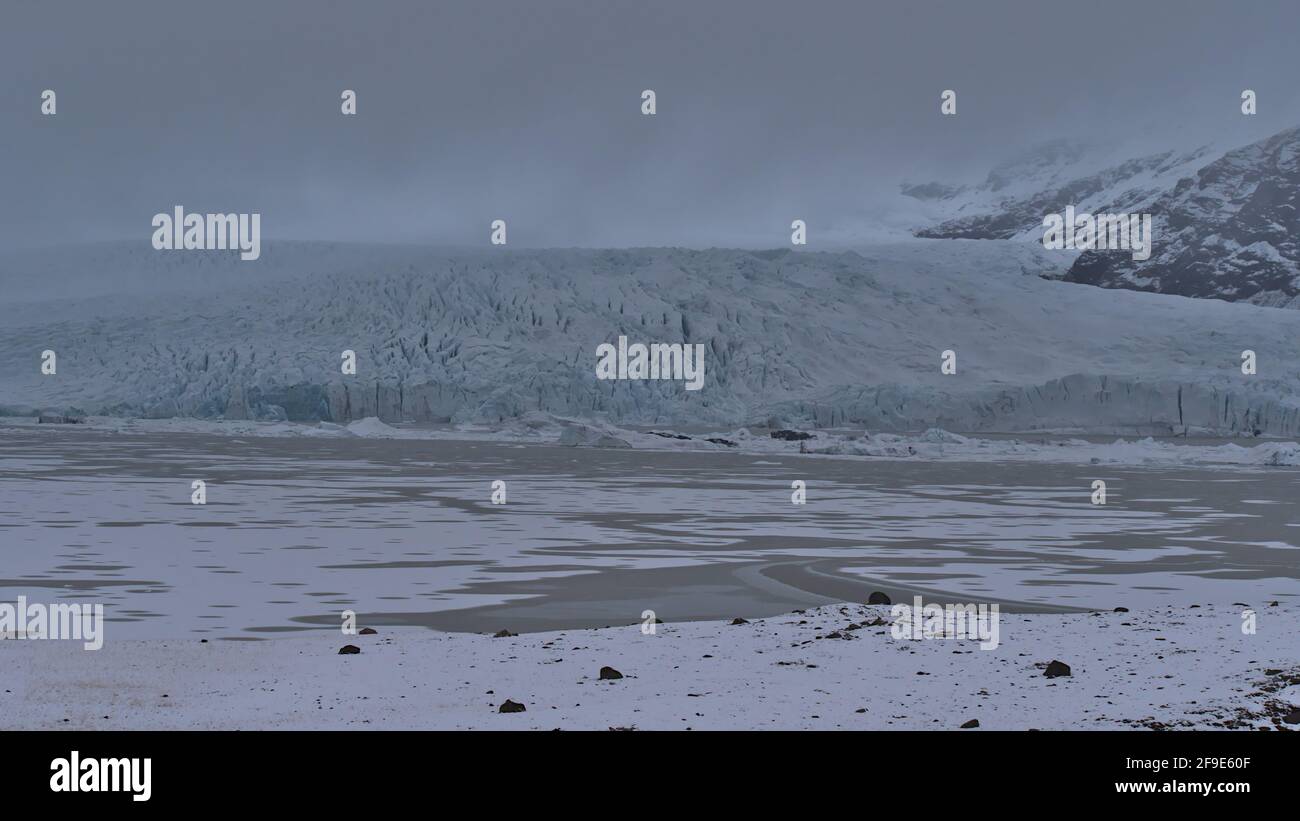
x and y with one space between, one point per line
403 532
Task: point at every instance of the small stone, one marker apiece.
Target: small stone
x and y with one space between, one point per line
972 724
367 631
1121 609
509 706
503 634
739 621
1057 668
349 650
609 674
1292 717
878 598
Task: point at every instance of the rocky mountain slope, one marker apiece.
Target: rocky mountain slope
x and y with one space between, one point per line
1225 223
1229 232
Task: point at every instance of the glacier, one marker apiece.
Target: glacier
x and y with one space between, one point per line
792 338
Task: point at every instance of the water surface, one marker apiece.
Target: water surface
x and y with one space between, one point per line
403 532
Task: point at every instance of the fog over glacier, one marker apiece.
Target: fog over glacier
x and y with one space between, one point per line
530 112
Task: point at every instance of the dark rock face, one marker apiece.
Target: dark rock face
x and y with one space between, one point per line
609 674
972 724
349 650
509 706
1231 232
878 598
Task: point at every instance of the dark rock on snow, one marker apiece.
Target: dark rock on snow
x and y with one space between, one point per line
1057 668
790 435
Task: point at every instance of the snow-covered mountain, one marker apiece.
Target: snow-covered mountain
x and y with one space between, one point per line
1013 200
1231 231
795 338
1225 224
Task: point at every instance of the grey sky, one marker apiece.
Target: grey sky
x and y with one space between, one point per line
528 110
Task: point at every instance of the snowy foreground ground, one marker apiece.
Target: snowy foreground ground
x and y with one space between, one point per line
1175 668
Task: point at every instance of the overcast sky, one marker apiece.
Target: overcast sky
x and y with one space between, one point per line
529 110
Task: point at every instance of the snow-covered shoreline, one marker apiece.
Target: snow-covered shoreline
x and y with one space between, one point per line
934 444
828 668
